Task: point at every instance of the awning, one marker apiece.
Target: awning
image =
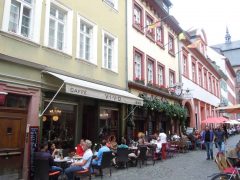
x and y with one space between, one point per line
232 122
215 120
89 89
230 109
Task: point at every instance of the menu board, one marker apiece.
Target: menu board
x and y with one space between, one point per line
33 147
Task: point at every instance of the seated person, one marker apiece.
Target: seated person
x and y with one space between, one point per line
44 154
79 149
97 161
123 143
176 137
197 137
233 155
112 144
84 163
53 150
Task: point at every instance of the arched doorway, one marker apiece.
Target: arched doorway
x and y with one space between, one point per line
190 113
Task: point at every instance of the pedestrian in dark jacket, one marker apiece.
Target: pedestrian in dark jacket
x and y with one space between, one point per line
207 138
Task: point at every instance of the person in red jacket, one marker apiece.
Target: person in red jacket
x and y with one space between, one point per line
79 149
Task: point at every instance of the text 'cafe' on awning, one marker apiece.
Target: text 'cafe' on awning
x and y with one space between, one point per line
74 109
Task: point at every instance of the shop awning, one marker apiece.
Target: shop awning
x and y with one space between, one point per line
230 109
215 120
89 89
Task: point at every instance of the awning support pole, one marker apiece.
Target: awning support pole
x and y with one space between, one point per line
130 113
52 99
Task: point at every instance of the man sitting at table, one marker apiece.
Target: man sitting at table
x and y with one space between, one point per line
44 154
84 163
97 161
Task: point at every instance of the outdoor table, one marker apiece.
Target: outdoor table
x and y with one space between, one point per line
63 163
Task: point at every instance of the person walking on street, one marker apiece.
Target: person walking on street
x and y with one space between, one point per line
220 139
207 138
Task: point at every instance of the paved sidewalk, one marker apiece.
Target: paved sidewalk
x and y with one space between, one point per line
185 166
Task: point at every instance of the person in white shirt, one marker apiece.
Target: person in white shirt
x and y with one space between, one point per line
82 165
162 136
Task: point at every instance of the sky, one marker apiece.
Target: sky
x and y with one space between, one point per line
211 15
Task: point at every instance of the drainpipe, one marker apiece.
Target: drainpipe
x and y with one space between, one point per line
126 46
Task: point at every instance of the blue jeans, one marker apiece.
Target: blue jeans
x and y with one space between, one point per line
209 149
69 171
221 147
55 168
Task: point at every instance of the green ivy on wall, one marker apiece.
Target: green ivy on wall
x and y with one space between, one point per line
173 111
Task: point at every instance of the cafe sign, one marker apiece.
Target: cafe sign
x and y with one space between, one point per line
95 93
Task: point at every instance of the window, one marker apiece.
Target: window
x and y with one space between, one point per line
138 65
57 24
110 52
160 36
238 76
160 75
205 79
193 72
209 83
112 3
58 27
150 31
213 87
200 76
86 40
137 16
21 17
185 65
171 78
150 71
171 44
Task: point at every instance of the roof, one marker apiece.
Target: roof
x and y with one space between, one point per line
228 46
230 50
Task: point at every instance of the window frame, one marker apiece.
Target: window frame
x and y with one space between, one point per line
137 51
149 33
185 68
92 60
35 22
139 27
172 50
163 75
67 47
200 74
174 77
161 42
151 60
238 76
115 51
194 75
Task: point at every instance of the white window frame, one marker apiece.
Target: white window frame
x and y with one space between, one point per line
67 45
138 65
35 22
150 71
171 78
112 3
160 75
93 58
115 51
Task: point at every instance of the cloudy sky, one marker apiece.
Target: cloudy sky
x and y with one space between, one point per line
211 15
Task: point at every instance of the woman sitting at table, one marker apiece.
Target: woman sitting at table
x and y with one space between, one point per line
79 148
112 143
53 150
84 163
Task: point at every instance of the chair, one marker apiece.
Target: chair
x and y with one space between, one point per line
122 156
151 153
42 170
142 157
224 165
86 172
106 163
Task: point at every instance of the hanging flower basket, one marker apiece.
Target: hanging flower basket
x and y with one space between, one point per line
2 98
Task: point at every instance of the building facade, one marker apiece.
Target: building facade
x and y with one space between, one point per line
62 76
200 79
227 82
231 50
153 66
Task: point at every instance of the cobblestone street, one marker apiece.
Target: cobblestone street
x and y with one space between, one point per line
185 166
